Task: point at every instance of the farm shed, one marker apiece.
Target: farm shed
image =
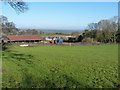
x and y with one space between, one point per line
24 38
49 38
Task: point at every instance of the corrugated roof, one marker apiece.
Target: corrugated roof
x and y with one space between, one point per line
24 37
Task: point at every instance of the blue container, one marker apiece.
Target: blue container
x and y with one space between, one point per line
60 41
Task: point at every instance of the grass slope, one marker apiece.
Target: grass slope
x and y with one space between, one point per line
61 66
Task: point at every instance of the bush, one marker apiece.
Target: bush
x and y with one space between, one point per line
87 40
90 41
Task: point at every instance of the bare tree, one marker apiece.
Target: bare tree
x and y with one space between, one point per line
3 19
18 5
93 26
115 19
107 25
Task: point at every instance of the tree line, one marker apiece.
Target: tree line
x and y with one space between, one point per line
9 28
105 31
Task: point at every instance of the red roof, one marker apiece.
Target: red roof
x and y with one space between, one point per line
24 37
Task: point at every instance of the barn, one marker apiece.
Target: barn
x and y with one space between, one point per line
24 38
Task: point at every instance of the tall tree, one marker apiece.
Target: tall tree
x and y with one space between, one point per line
107 25
3 19
7 27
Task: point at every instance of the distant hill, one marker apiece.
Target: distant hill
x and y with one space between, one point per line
54 31
60 31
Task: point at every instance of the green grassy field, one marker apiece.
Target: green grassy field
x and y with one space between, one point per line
52 35
61 67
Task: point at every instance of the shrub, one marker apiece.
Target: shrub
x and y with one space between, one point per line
87 40
90 41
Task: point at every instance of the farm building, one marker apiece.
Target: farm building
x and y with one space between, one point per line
49 38
24 38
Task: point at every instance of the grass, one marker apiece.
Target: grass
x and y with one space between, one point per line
52 35
61 67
